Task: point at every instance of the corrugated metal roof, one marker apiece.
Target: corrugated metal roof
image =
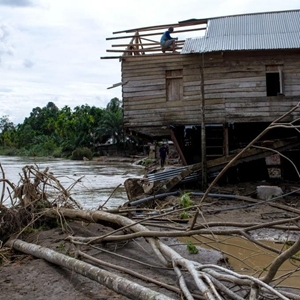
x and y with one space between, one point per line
261 31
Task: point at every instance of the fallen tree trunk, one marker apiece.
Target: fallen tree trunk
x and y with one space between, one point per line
210 280
118 284
98 216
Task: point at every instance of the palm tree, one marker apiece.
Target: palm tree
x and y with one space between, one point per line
112 122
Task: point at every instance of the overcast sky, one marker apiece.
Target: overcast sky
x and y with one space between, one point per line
50 49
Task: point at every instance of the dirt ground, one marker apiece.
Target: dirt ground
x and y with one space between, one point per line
25 277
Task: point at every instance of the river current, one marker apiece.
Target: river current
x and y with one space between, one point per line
98 179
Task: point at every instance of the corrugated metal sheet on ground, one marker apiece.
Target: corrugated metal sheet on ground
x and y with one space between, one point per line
171 173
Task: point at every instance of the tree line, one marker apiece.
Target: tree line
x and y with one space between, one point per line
60 132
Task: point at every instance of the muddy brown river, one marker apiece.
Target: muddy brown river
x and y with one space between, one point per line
247 258
98 180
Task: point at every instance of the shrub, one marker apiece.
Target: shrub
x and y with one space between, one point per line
184 215
191 248
9 151
147 161
185 200
80 153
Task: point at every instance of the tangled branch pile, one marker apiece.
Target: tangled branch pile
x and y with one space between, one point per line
40 201
22 205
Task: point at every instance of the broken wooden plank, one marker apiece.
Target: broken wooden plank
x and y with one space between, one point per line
217 164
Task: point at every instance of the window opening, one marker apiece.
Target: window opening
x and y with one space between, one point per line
274 80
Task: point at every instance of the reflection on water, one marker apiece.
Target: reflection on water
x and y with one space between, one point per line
248 258
97 181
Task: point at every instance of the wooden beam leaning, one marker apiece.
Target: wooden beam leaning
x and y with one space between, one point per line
177 146
148 40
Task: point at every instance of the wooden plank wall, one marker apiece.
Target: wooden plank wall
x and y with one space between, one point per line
241 82
144 95
234 85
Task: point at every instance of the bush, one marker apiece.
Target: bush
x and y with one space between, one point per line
49 147
57 153
147 161
185 200
191 248
8 151
80 153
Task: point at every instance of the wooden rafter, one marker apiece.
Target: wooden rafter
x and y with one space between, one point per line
141 42
135 52
145 44
191 22
151 34
148 40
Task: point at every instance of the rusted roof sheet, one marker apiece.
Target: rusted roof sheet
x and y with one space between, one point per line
260 31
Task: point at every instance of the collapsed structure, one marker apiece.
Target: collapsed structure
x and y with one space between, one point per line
236 76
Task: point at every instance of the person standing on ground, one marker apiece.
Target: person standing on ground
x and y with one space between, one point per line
163 152
167 42
167 154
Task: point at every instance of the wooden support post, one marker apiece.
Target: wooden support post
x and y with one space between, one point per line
137 42
226 140
203 129
141 44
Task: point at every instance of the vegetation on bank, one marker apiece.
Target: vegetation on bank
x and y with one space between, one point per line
78 133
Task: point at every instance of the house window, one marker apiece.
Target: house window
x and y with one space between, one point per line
274 80
174 85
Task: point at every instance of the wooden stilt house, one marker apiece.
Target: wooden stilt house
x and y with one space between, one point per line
234 76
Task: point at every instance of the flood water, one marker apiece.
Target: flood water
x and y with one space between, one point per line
250 259
98 180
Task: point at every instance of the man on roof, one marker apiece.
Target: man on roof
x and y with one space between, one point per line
167 42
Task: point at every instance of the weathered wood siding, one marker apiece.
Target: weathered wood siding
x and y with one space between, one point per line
239 82
144 95
234 86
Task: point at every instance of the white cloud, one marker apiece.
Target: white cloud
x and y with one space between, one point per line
50 49
14 3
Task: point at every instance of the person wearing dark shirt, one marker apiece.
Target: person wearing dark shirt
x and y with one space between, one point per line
163 152
168 43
